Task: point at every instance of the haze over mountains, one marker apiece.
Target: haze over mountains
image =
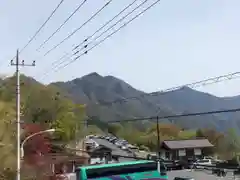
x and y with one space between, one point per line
94 88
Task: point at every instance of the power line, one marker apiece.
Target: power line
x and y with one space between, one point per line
179 115
105 24
59 28
114 32
41 27
193 85
34 36
141 4
61 60
76 30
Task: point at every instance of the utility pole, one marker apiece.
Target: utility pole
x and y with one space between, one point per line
158 146
17 64
84 132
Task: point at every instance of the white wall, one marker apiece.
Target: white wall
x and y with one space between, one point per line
97 160
197 151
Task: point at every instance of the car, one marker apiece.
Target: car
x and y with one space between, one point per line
184 178
112 139
118 144
107 137
203 162
187 163
123 147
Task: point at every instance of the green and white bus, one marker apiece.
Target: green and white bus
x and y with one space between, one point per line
134 170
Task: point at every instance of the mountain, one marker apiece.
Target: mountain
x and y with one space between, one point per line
95 90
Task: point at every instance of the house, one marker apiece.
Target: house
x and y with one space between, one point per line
100 154
185 149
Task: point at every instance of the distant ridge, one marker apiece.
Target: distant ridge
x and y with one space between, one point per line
94 88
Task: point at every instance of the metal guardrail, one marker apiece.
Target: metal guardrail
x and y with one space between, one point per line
219 170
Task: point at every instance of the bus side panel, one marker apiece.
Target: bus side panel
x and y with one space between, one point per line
154 175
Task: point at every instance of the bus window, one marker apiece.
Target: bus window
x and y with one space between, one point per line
118 170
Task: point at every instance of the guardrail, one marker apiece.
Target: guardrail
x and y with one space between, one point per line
218 169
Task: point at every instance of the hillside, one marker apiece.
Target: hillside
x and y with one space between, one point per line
94 90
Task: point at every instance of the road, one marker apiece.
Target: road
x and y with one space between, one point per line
115 150
199 175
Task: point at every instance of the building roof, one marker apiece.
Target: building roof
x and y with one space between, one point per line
181 144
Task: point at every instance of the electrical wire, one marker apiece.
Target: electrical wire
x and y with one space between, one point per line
59 28
117 22
178 115
42 26
98 30
60 61
109 28
193 85
76 30
114 32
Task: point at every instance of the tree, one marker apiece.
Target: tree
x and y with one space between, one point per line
234 141
199 134
114 128
37 146
7 141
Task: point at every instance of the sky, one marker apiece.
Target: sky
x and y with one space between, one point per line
174 43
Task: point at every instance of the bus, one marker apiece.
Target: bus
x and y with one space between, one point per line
134 170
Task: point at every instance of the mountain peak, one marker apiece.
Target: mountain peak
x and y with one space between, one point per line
93 75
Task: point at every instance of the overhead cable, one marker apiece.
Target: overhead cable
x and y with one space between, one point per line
178 115
60 61
59 28
109 28
76 30
42 26
193 85
98 30
107 37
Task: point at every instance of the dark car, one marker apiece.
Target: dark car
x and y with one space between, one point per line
184 178
187 164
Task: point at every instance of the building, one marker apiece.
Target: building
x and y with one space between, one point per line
185 149
100 154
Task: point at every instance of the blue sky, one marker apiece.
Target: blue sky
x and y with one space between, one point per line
174 43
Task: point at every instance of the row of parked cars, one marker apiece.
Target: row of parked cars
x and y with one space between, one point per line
120 143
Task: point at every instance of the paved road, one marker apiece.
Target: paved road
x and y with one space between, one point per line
199 175
115 150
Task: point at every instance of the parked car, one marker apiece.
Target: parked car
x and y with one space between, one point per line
123 147
203 162
187 164
184 178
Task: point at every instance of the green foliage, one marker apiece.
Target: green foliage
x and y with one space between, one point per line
148 138
7 139
44 105
187 134
114 128
97 122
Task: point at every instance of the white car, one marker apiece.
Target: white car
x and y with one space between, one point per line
123 147
203 162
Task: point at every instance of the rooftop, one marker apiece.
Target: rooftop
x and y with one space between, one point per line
181 144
